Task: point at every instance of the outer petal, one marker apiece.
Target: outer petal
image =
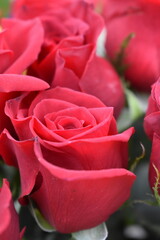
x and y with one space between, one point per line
151 124
4 120
15 82
101 80
75 200
9 224
10 86
70 200
155 92
5 59
111 151
25 48
151 120
20 154
68 95
26 9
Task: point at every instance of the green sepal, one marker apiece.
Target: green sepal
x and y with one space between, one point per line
134 110
40 220
156 196
156 185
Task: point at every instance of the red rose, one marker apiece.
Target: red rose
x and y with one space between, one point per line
77 20
152 119
71 158
68 57
9 223
141 57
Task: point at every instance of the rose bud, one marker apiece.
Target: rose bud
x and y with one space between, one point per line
141 56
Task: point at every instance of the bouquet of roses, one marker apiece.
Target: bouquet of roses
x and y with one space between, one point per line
75 76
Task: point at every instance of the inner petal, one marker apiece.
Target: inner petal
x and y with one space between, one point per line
66 122
72 133
46 106
77 116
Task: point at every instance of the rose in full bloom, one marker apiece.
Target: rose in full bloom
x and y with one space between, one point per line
72 160
68 56
141 57
9 222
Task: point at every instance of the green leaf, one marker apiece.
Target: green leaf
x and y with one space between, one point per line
97 233
133 104
136 107
4 7
40 220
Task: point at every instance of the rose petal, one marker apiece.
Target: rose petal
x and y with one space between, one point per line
47 106
9 224
20 154
5 59
5 122
39 129
101 80
151 124
15 82
26 50
80 113
112 150
68 95
80 199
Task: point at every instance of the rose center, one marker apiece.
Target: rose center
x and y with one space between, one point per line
68 123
